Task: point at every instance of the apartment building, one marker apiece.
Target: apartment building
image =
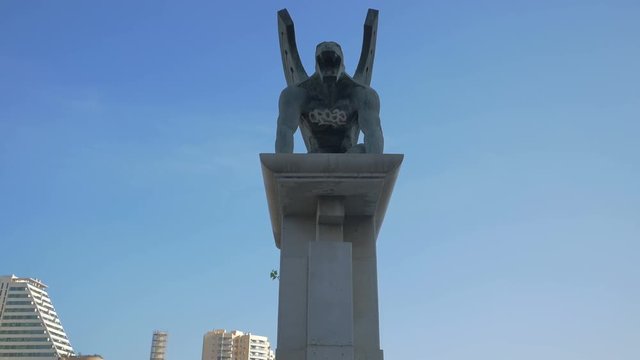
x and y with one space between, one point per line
252 347
235 345
29 325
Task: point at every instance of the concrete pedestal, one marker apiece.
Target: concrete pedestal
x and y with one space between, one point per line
326 211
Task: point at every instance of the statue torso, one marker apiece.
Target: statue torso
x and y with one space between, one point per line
329 120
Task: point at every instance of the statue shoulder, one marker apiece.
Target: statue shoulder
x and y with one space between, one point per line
366 94
292 93
293 90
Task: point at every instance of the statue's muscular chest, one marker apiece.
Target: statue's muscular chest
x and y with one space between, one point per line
320 111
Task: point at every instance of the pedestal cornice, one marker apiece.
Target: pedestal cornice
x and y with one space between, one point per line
294 182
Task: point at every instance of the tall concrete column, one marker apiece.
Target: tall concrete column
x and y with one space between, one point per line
360 231
326 211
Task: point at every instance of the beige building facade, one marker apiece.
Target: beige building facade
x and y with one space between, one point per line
235 345
252 347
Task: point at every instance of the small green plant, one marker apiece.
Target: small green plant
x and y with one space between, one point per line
274 274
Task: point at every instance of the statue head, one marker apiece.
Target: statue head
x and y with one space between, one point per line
329 64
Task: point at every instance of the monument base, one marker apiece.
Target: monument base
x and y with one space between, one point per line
326 211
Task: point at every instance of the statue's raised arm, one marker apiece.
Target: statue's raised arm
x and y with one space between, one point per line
329 107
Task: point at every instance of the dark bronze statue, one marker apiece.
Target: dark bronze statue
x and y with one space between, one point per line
330 107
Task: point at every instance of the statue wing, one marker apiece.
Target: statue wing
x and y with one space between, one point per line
365 65
293 70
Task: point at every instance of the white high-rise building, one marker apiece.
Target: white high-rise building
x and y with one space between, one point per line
235 345
29 325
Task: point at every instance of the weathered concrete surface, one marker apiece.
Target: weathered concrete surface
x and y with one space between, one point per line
294 182
326 211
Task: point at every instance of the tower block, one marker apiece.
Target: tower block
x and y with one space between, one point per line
326 211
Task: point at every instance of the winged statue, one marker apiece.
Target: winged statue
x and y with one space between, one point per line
330 107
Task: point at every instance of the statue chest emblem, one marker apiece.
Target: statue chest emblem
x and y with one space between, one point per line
334 118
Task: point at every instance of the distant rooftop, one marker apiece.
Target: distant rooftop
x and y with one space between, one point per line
33 281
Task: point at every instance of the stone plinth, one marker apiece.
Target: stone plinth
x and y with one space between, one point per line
326 211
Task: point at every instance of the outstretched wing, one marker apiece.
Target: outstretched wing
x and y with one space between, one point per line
365 65
293 70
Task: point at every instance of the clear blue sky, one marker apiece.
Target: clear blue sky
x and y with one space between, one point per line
130 180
